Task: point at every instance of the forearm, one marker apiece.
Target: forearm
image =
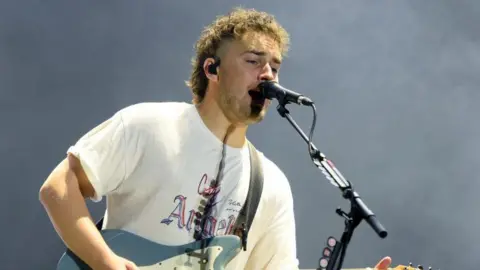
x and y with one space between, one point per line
70 217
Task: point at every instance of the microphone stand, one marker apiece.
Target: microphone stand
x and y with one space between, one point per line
358 209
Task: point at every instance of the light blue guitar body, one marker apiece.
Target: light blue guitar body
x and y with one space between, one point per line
209 254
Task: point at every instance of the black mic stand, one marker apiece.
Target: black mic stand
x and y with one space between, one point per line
358 209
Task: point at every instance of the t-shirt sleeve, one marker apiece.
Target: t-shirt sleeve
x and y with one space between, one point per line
103 154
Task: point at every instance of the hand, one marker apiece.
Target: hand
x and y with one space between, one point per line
119 263
383 264
125 264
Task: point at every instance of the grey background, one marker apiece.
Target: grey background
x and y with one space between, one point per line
395 83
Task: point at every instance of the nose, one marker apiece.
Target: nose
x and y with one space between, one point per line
267 73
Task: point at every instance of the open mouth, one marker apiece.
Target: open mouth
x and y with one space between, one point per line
257 97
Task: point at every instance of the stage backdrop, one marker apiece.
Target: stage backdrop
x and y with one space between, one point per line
395 83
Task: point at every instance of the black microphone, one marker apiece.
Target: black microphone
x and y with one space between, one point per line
271 89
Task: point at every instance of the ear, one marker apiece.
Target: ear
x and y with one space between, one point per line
210 68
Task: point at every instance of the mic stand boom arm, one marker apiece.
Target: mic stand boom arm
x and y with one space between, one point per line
358 209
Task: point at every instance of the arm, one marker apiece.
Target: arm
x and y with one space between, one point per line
63 195
95 166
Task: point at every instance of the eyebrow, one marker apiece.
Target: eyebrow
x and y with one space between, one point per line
262 53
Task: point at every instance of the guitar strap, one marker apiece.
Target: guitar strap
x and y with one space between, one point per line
249 208
255 188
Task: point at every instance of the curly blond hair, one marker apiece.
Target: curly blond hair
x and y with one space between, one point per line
230 27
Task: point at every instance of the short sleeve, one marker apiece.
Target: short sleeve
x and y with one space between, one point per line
102 152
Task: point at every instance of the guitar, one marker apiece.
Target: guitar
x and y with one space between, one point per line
209 254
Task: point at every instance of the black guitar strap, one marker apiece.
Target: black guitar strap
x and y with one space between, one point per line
255 188
249 209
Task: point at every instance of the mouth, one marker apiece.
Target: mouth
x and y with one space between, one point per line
257 97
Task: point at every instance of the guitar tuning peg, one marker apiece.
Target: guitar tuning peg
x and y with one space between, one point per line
420 267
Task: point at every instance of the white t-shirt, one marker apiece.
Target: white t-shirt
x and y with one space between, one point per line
153 162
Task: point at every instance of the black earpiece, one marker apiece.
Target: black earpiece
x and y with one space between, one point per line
212 68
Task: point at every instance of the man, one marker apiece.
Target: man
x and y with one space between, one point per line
154 162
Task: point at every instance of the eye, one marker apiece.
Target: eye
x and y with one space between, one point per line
252 62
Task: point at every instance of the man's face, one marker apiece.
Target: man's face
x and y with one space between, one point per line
243 66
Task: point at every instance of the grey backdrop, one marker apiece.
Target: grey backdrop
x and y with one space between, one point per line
395 83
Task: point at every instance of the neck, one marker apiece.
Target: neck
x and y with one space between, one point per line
233 135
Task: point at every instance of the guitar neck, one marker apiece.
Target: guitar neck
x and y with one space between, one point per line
370 268
390 268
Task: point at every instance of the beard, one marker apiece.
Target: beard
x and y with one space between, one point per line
257 112
241 111
257 106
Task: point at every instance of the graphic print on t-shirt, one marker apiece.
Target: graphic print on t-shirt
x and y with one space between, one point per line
222 217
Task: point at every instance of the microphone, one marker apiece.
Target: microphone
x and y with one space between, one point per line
271 89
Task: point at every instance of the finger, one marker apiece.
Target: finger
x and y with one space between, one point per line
131 265
383 264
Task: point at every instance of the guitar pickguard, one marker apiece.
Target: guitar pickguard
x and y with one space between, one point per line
191 260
